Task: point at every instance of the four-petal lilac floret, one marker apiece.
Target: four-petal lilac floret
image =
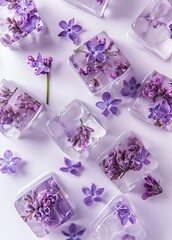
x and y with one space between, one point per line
8 162
96 52
74 233
152 187
70 29
108 105
142 158
130 88
92 195
72 168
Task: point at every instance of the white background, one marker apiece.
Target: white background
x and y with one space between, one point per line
41 155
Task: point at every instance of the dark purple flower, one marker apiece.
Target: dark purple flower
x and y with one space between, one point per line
108 105
130 88
96 52
69 29
82 138
72 168
74 233
42 66
128 237
92 195
161 113
152 187
123 212
8 162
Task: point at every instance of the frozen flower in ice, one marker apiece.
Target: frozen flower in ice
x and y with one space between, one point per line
72 168
142 158
96 52
74 233
123 212
42 66
8 162
128 237
108 104
70 29
92 195
152 187
130 88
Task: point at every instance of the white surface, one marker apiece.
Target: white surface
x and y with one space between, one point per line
40 154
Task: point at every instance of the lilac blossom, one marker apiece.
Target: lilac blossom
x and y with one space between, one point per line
130 88
72 168
96 53
42 66
152 187
74 233
70 29
108 104
92 194
5 96
8 162
81 140
122 211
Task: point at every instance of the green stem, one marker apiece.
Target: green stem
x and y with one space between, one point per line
47 88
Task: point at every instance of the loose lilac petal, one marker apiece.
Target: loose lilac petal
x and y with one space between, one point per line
106 112
101 105
72 228
88 201
64 169
15 160
76 28
86 191
71 22
99 191
125 91
63 25
8 154
62 34
97 199
67 162
106 96
73 37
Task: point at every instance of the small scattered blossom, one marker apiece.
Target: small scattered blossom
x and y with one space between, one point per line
152 187
74 233
72 168
130 88
8 162
92 194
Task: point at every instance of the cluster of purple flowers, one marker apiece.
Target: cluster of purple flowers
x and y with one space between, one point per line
47 207
161 96
24 21
152 187
24 106
128 155
81 140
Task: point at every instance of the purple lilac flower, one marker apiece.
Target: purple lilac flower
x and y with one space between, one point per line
122 211
161 113
74 233
72 168
70 29
5 95
108 104
82 138
96 53
8 162
42 66
152 187
142 158
128 237
130 88
101 2
7 115
92 195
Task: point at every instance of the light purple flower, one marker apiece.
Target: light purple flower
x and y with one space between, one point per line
108 104
92 195
142 158
152 187
70 29
8 162
72 168
74 233
96 52
130 88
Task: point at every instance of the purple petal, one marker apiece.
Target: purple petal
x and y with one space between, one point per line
15 160
125 83
132 81
132 219
101 57
12 168
77 165
93 188
124 219
133 93
106 112
91 58
4 169
67 162
97 199
116 102
89 46
81 232
39 58
106 96
8 154
100 48
125 91
74 172
76 28
63 25
113 110
63 34
101 105
71 22
66 233
99 191
73 36
64 169
86 191
89 201
2 161
72 228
